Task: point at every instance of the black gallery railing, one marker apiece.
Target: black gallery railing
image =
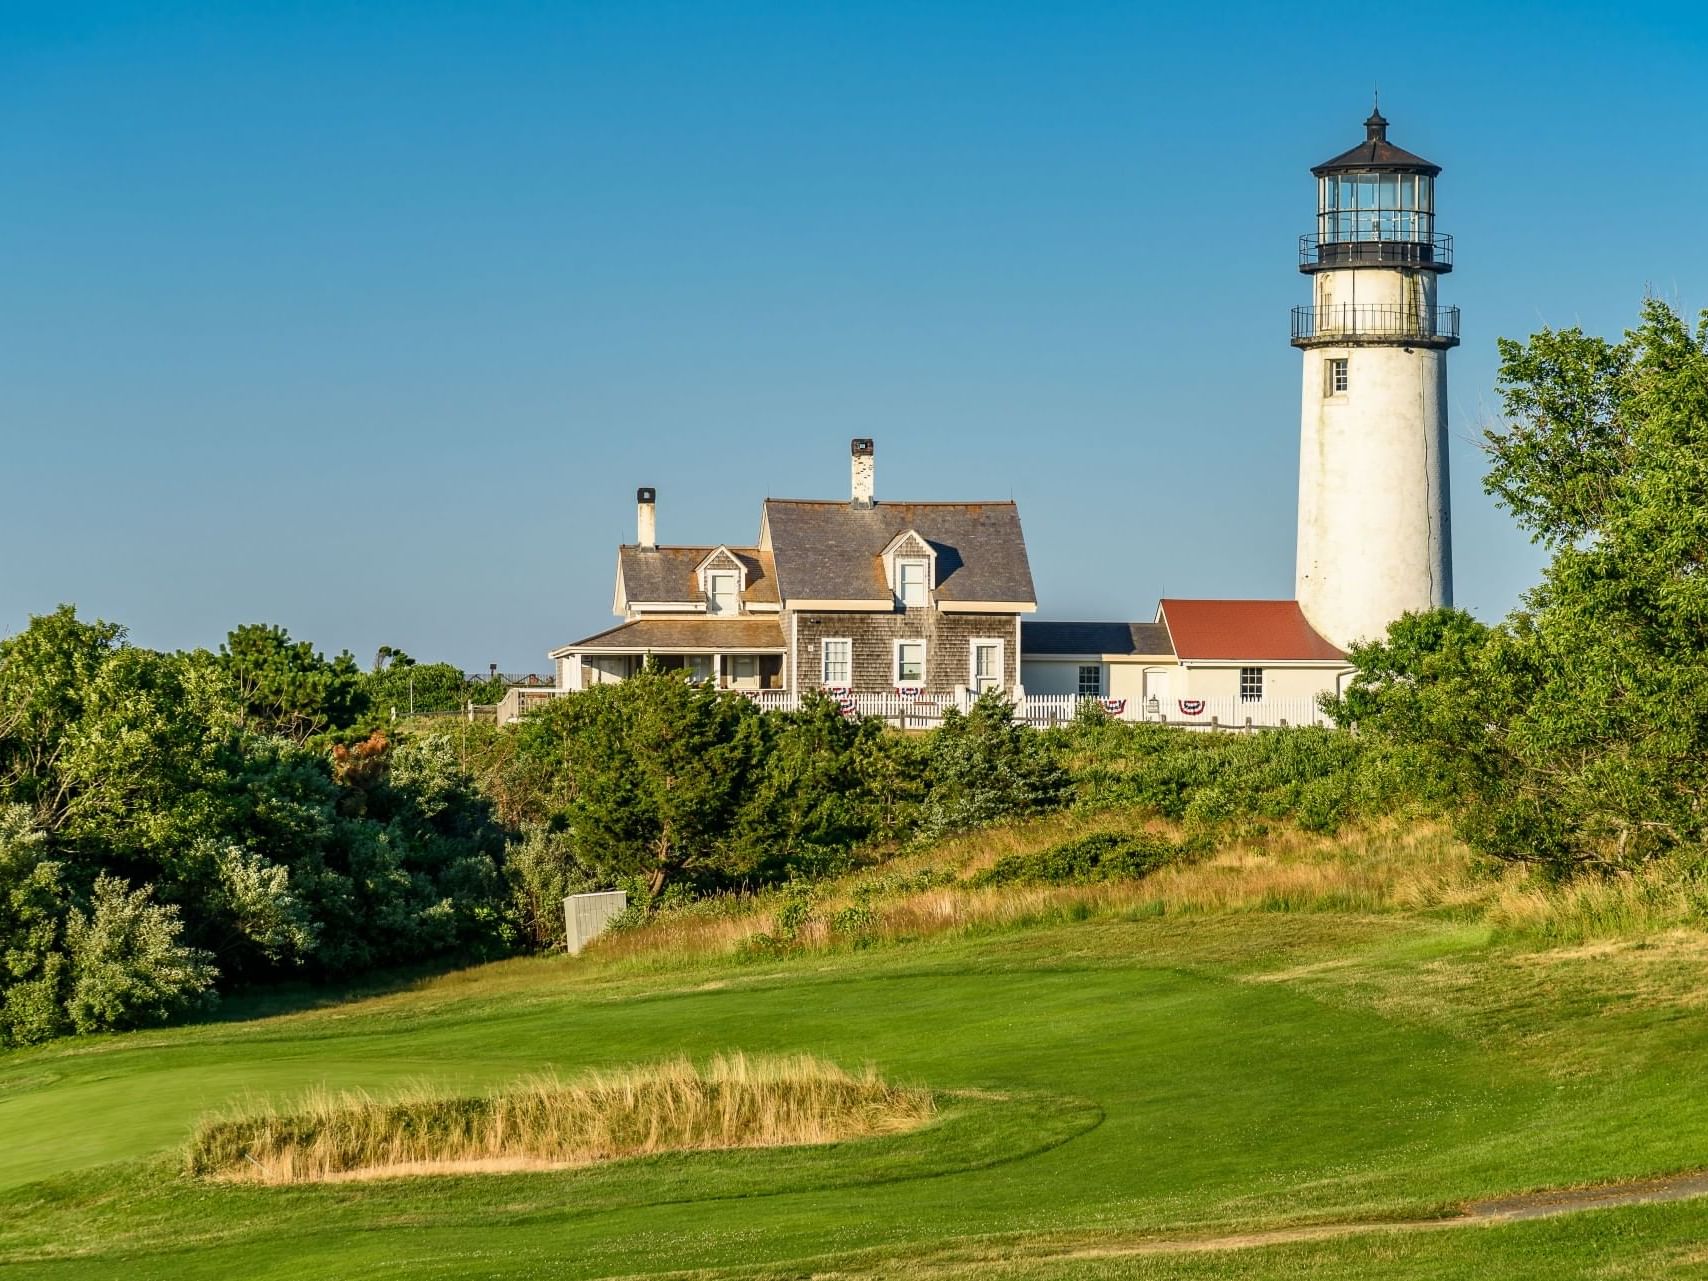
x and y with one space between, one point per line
1376 250
1376 320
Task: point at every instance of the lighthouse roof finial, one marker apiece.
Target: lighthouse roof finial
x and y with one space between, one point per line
1376 153
1376 127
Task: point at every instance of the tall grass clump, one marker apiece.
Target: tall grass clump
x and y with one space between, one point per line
542 1122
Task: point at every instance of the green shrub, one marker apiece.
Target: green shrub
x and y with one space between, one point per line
1102 856
127 965
984 768
1320 778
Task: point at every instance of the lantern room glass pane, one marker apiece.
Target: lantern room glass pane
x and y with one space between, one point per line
1376 207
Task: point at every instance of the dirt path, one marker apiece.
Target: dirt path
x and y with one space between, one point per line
1513 1209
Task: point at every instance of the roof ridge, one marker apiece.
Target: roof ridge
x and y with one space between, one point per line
689 547
900 502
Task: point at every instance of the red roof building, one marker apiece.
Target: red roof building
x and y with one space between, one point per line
1248 631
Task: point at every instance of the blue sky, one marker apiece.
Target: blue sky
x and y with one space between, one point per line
369 319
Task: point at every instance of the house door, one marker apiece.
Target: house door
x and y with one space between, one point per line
1156 692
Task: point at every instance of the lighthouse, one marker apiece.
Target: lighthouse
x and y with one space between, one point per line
1374 534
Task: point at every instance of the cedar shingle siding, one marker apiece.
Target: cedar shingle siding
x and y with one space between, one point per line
948 640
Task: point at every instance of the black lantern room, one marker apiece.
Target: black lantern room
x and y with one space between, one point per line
1376 208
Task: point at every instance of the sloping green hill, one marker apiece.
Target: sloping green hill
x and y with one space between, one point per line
1106 1085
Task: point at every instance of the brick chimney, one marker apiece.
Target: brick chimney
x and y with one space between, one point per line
861 453
646 517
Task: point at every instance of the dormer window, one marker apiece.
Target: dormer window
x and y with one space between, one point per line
911 582
723 592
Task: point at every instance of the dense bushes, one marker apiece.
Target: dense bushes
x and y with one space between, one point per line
166 824
1318 778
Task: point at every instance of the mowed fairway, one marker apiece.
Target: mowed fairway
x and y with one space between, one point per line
1105 1085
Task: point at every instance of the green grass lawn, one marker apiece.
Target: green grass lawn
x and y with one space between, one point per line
1105 1083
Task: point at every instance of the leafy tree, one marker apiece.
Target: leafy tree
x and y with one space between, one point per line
1577 731
285 687
985 767
45 673
406 686
808 804
33 906
128 967
659 768
543 869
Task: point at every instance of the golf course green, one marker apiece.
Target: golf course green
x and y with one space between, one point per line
1112 1091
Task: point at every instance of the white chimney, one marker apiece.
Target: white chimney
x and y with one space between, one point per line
861 450
646 517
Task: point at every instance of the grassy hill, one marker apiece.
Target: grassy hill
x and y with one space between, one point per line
1289 1060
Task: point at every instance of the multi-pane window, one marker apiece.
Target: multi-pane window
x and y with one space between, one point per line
1091 680
699 667
1251 684
910 662
722 591
1376 206
987 665
1336 376
911 578
839 663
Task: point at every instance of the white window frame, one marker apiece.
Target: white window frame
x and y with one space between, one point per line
1251 684
734 595
1337 375
924 661
824 662
1096 670
973 662
903 563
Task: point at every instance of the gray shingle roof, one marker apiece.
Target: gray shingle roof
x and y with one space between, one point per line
833 550
678 634
1043 638
658 574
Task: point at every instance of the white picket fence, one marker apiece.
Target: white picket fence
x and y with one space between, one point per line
923 711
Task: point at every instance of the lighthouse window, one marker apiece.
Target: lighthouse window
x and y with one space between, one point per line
1251 684
1373 206
1337 378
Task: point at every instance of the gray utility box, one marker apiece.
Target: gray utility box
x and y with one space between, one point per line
585 916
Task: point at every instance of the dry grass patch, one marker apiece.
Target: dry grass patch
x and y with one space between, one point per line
544 1123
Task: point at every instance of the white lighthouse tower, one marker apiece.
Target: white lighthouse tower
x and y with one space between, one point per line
1374 538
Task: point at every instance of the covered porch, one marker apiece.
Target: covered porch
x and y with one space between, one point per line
737 654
